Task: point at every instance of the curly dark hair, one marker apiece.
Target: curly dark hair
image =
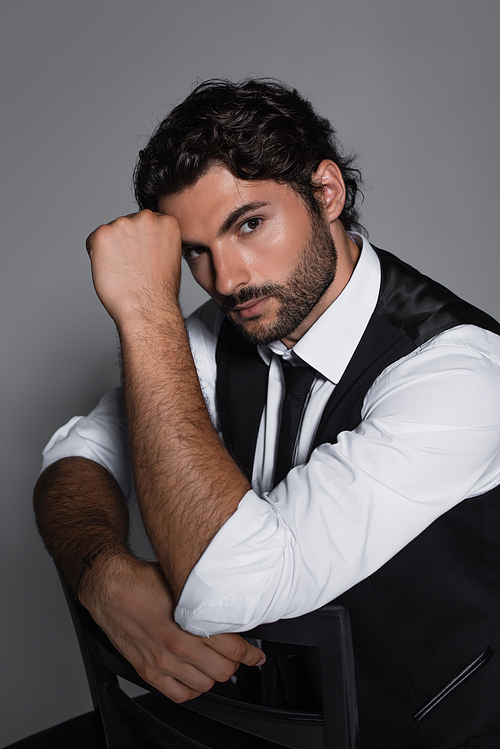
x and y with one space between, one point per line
257 129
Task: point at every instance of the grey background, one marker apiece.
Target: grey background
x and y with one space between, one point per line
412 86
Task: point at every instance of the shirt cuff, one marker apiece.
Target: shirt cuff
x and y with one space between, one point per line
232 586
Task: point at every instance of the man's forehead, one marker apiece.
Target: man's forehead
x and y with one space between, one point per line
218 182
217 195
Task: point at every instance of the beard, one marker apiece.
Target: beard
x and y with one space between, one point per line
305 286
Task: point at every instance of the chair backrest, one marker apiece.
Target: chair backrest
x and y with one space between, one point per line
335 727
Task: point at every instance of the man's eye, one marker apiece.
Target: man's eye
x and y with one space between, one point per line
193 253
250 225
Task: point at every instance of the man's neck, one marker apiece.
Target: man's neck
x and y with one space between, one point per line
348 253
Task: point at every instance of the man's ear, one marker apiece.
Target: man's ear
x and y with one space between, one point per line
331 189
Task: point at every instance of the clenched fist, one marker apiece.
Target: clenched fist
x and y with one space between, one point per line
136 265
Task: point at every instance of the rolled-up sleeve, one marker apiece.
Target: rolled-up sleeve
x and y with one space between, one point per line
101 436
255 548
429 438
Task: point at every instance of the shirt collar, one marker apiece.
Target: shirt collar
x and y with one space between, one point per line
329 344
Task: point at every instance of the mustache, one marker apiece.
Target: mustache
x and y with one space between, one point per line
248 294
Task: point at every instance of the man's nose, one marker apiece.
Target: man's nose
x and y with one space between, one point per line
230 270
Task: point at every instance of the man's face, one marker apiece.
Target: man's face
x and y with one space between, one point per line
254 247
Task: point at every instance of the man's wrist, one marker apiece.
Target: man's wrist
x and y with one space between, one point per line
141 322
103 566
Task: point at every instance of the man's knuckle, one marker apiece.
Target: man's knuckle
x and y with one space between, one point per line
177 698
149 673
207 684
146 216
181 694
178 648
99 234
156 667
226 673
171 223
239 651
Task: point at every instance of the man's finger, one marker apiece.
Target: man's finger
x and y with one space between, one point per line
175 690
237 649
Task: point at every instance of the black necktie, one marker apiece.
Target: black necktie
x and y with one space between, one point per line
298 381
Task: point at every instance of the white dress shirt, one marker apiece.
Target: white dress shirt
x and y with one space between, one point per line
429 438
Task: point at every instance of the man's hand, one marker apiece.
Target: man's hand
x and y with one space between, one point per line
136 264
82 515
136 612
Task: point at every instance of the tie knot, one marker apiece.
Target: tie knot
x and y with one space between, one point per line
298 380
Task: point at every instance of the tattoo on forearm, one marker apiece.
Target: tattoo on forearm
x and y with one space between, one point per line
88 559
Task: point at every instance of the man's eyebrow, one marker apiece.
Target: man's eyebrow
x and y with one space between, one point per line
235 215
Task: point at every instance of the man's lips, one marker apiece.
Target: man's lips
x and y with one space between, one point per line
252 308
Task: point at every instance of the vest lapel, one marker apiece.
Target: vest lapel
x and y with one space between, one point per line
380 345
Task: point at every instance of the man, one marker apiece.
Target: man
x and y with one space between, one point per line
391 507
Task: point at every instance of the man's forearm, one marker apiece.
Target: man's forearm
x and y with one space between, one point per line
187 483
82 517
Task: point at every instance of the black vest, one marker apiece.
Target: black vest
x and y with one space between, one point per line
426 625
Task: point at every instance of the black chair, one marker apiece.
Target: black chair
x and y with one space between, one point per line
144 721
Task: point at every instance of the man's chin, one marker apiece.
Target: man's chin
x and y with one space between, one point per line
256 332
